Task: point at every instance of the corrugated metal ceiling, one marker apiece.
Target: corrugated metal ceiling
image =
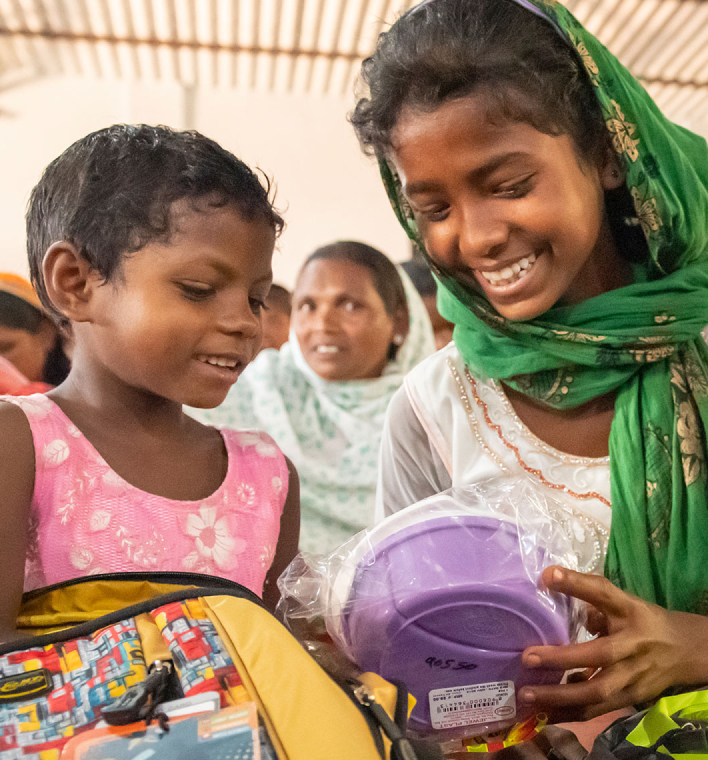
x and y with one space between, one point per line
313 46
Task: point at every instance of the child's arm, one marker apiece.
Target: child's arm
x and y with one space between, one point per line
288 538
16 487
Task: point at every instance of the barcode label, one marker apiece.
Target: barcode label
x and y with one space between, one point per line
473 705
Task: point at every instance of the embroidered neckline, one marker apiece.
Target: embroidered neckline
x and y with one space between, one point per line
528 433
536 473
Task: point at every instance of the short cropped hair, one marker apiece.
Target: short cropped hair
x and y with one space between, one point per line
111 193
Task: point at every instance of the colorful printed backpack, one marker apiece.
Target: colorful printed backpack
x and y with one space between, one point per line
115 646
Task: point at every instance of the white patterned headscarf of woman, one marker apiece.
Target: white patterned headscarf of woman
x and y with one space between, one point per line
330 430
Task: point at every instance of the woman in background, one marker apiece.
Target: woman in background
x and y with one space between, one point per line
276 317
357 329
32 356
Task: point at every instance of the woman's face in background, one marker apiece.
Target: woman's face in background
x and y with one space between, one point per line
340 321
27 351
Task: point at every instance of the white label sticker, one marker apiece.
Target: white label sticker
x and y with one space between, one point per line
472 705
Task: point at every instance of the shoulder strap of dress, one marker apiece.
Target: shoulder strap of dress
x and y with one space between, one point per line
51 428
37 407
258 444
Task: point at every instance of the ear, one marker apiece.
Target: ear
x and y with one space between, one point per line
400 326
612 174
69 281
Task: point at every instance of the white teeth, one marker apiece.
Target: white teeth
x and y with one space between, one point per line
327 349
218 361
512 273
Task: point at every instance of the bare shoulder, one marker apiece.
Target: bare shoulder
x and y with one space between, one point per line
16 489
14 422
15 442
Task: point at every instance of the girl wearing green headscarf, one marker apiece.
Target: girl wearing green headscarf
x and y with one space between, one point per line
566 220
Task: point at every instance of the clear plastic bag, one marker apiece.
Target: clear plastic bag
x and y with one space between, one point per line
444 596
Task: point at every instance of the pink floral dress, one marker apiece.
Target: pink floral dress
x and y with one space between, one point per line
86 519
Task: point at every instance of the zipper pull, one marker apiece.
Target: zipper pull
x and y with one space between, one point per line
141 700
401 748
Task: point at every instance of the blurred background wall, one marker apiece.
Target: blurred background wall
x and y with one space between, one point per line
273 81
326 188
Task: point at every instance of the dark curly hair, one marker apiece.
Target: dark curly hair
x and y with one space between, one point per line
526 71
446 49
111 193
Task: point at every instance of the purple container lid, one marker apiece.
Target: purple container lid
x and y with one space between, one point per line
448 602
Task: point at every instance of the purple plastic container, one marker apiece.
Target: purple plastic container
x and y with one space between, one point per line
447 602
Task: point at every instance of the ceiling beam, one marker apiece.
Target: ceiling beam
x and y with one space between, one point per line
173 43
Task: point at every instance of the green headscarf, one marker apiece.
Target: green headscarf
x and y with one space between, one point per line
642 341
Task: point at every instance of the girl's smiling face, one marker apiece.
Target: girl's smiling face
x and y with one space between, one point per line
182 318
506 209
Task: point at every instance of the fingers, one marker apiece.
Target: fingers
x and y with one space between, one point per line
581 675
620 686
582 713
594 589
598 653
566 714
596 622
617 668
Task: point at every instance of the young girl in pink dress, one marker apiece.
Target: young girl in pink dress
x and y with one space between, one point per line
154 248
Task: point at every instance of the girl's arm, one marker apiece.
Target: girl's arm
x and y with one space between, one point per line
410 468
642 649
288 539
16 487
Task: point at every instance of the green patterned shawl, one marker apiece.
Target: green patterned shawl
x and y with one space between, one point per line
642 341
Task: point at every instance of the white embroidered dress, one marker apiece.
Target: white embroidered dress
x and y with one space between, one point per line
448 428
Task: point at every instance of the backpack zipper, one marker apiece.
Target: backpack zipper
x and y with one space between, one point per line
401 748
166 576
91 626
140 701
